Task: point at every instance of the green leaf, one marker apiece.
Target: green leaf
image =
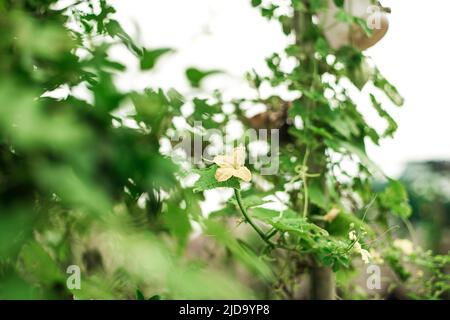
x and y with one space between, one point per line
358 150
269 12
39 266
139 295
204 110
256 3
299 5
176 101
309 236
240 252
339 3
317 5
150 107
316 194
15 228
395 198
392 125
322 47
289 221
286 24
391 91
208 180
322 132
114 29
340 226
344 16
250 201
360 74
196 76
265 214
228 211
150 57
341 124
178 223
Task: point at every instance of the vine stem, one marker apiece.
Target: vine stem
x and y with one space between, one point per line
305 184
237 194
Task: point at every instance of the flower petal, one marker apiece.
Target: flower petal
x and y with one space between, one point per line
223 174
243 173
239 156
224 161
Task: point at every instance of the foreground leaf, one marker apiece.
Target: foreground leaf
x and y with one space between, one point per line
208 180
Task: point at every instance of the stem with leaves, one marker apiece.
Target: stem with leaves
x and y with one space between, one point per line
263 236
322 278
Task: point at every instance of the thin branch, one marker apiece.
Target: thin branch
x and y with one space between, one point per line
305 184
237 194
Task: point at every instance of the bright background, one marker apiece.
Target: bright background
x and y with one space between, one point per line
230 35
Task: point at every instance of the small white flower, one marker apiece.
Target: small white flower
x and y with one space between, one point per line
365 256
232 165
404 245
352 235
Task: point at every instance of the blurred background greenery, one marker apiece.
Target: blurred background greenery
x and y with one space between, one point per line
71 174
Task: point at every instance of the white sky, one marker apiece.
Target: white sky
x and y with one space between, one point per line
231 36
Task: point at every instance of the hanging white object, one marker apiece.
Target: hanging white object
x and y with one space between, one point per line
340 33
